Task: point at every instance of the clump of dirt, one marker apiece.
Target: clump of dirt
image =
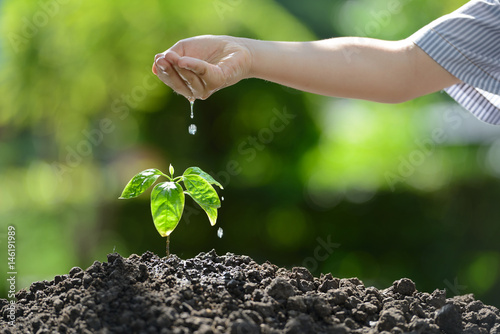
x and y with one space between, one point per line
233 294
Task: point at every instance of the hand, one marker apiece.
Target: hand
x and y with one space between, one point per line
199 66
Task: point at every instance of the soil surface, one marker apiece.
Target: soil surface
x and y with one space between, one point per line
233 294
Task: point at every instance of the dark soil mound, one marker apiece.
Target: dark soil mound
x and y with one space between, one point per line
233 294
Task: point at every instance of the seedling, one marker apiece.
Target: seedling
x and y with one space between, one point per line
167 198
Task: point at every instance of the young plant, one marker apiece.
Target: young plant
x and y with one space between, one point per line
167 198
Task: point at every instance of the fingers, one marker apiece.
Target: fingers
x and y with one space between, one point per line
210 75
194 82
167 73
193 64
185 75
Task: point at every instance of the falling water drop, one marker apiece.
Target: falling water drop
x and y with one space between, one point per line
192 129
222 198
220 232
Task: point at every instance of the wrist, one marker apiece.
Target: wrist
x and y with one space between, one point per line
252 47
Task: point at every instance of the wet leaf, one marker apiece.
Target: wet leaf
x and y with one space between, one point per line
203 194
209 210
206 176
167 205
140 183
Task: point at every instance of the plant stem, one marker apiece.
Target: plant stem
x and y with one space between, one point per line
168 245
168 177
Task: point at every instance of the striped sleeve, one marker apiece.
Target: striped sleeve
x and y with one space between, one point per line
467 44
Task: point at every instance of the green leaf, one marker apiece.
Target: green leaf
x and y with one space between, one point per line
167 204
140 183
203 194
211 211
206 176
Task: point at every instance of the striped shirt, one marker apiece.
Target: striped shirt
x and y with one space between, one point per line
467 44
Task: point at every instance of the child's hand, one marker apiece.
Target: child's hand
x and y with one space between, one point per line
197 67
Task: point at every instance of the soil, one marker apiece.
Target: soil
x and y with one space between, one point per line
233 294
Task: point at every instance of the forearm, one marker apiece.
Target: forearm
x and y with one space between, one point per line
351 67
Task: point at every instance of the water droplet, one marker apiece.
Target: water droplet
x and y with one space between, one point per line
191 102
192 129
220 232
222 198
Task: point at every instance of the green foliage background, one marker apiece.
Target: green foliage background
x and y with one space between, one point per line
349 187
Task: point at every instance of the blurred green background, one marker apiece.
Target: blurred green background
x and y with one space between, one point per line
349 187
